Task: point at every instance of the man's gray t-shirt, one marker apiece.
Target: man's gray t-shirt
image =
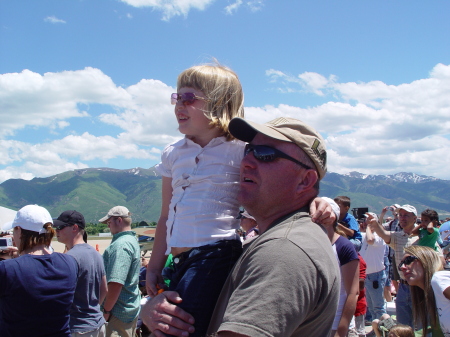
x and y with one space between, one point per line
85 314
286 283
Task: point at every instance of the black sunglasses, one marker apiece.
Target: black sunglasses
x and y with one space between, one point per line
407 261
59 227
267 154
187 98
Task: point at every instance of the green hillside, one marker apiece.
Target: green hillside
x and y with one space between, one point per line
94 191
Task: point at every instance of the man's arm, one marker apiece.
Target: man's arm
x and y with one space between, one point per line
114 290
162 316
370 238
384 234
103 289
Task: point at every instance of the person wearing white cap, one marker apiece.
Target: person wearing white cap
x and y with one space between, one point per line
398 241
36 288
122 264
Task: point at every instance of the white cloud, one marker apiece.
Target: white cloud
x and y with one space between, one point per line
255 5
53 19
47 103
230 9
375 127
171 8
369 127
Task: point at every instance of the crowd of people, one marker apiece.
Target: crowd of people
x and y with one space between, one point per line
304 265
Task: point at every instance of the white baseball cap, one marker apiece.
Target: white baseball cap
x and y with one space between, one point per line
32 218
408 208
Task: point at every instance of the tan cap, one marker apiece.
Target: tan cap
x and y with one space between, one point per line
289 130
121 211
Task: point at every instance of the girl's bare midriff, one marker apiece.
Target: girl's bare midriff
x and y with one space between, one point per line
178 250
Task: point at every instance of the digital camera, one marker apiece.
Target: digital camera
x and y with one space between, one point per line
5 243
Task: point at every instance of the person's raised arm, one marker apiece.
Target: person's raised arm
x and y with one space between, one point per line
416 229
370 238
430 227
158 257
322 212
379 229
382 214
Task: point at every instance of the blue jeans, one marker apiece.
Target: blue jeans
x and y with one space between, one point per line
198 277
403 305
374 284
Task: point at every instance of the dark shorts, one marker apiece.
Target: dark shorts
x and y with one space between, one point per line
198 276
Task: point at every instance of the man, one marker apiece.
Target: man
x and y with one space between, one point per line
347 222
407 215
248 224
286 283
372 250
86 318
122 264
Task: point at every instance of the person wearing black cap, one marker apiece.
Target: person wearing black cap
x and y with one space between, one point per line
85 315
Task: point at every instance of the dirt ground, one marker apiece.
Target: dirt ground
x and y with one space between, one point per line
96 243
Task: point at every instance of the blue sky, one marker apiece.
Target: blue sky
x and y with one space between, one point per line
87 83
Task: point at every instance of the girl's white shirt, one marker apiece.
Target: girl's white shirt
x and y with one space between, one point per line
205 185
440 282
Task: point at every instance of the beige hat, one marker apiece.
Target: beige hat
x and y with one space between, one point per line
289 130
408 208
121 211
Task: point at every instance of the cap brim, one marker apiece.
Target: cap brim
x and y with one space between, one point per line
246 130
104 219
7 226
57 222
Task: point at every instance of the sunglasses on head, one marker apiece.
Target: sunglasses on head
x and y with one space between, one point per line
267 154
187 98
407 261
59 227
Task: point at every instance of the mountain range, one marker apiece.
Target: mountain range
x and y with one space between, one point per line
94 191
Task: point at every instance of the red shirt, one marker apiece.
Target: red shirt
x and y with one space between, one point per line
361 304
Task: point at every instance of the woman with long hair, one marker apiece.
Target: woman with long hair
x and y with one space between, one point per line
37 287
430 288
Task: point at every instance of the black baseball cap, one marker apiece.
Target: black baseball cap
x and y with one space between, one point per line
70 218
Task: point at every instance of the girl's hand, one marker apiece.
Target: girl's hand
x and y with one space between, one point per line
322 212
153 282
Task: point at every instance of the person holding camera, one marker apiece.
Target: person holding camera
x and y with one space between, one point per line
372 251
37 287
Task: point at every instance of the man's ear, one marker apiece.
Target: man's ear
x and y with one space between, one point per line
310 178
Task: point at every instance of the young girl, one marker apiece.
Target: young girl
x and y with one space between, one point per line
200 182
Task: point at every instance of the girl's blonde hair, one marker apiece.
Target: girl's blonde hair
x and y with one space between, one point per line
424 302
223 90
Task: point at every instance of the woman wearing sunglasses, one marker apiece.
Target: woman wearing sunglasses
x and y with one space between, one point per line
430 288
